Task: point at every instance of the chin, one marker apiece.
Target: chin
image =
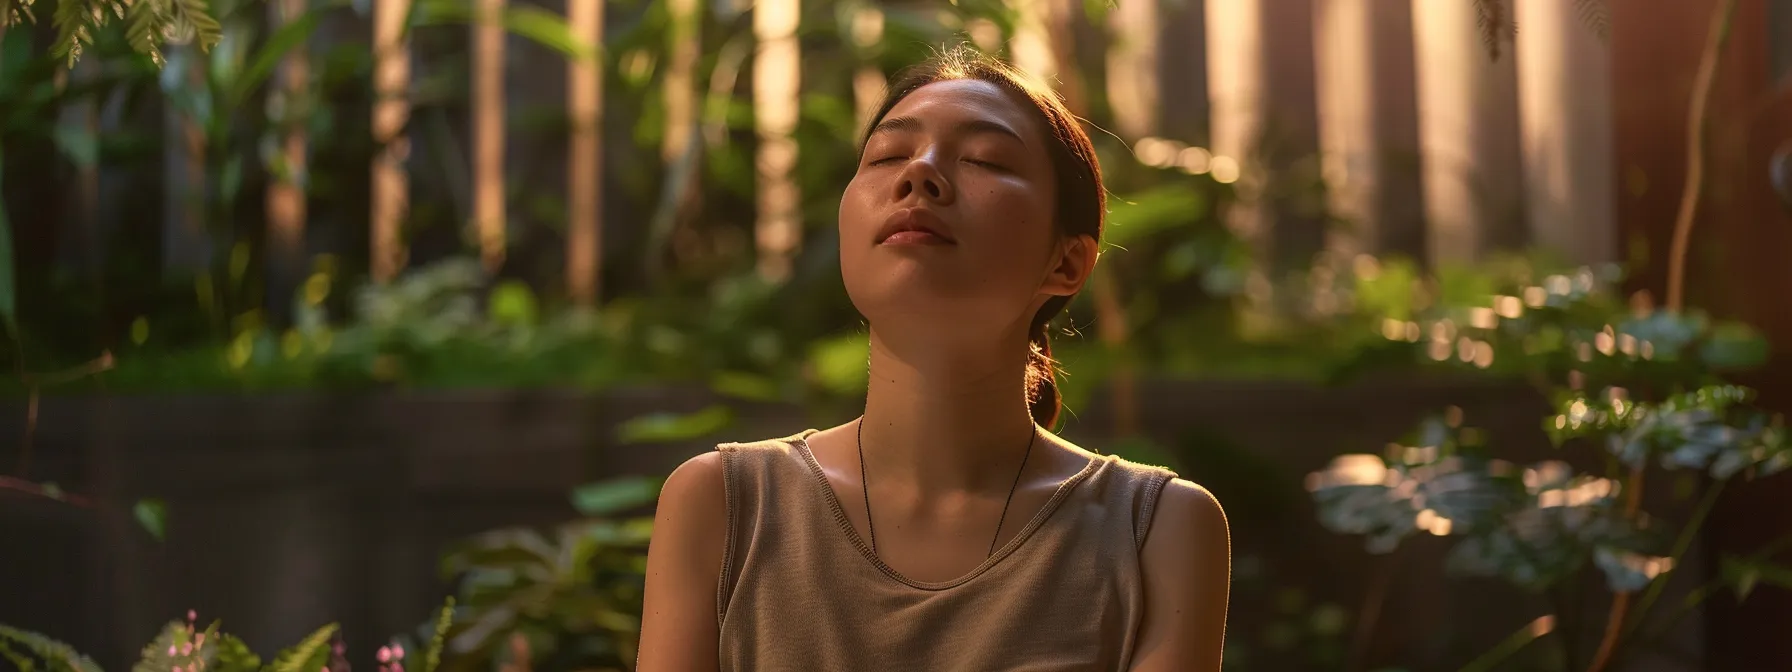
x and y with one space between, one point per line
899 294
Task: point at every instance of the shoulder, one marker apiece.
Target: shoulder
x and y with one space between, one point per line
1187 562
692 504
1189 522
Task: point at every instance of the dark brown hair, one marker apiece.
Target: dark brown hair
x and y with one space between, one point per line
1082 201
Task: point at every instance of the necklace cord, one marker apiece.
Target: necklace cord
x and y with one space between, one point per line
865 488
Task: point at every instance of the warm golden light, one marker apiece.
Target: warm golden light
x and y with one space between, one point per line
1195 160
584 168
1509 307
777 75
488 132
390 191
1224 169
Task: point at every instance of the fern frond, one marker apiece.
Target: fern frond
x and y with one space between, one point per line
191 18
143 29
57 656
1596 15
1493 19
235 656
73 30
433 657
15 11
21 661
309 655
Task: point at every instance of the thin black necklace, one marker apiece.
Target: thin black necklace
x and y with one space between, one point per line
865 487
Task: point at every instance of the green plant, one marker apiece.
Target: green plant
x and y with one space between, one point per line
150 23
1641 386
183 646
569 598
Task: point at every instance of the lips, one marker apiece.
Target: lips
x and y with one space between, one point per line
916 225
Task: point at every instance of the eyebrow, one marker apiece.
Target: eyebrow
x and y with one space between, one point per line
972 126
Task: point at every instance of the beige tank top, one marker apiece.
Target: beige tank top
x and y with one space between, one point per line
800 589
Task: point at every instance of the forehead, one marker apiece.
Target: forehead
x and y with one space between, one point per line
959 100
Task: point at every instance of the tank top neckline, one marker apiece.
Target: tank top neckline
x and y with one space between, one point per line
801 441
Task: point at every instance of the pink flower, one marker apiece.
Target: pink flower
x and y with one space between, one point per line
385 654
186 649
173 651
397 650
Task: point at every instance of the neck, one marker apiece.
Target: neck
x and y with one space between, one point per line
947 420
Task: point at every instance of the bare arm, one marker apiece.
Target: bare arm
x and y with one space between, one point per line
684 564
1188 575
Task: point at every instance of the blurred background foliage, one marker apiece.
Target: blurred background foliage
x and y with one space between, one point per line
1635 388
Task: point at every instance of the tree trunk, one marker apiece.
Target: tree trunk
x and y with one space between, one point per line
777 77
391 113
584 170
1468 134
488 132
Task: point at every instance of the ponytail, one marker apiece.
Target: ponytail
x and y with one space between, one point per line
1043 399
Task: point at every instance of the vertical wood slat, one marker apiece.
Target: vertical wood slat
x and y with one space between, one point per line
391 113
1368 126
777 75
1263 116
1468 135
1565 127
1132 69
684 45
488 131
868 83
584 237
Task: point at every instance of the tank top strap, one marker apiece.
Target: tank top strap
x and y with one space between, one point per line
1134 487
756 475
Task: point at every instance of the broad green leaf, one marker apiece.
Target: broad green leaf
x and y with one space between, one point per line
235 656
309 655
1133 218
545 28
152 514
57 654
1734 346
513 303
1744 573
80 145
666 427
511 548
20 661
262 64
610 496
839 364
549 30
748 386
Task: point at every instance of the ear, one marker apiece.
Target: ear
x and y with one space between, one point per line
1073 261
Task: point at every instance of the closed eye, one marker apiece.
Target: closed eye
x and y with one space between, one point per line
985 164
887 159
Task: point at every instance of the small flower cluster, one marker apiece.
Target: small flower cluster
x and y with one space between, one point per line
391 657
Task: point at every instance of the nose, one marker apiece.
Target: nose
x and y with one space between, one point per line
922 179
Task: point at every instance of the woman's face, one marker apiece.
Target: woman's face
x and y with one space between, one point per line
966 161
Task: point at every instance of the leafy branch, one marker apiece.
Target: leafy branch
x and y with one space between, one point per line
150 24
1493 19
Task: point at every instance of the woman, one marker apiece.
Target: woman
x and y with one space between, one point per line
945 529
